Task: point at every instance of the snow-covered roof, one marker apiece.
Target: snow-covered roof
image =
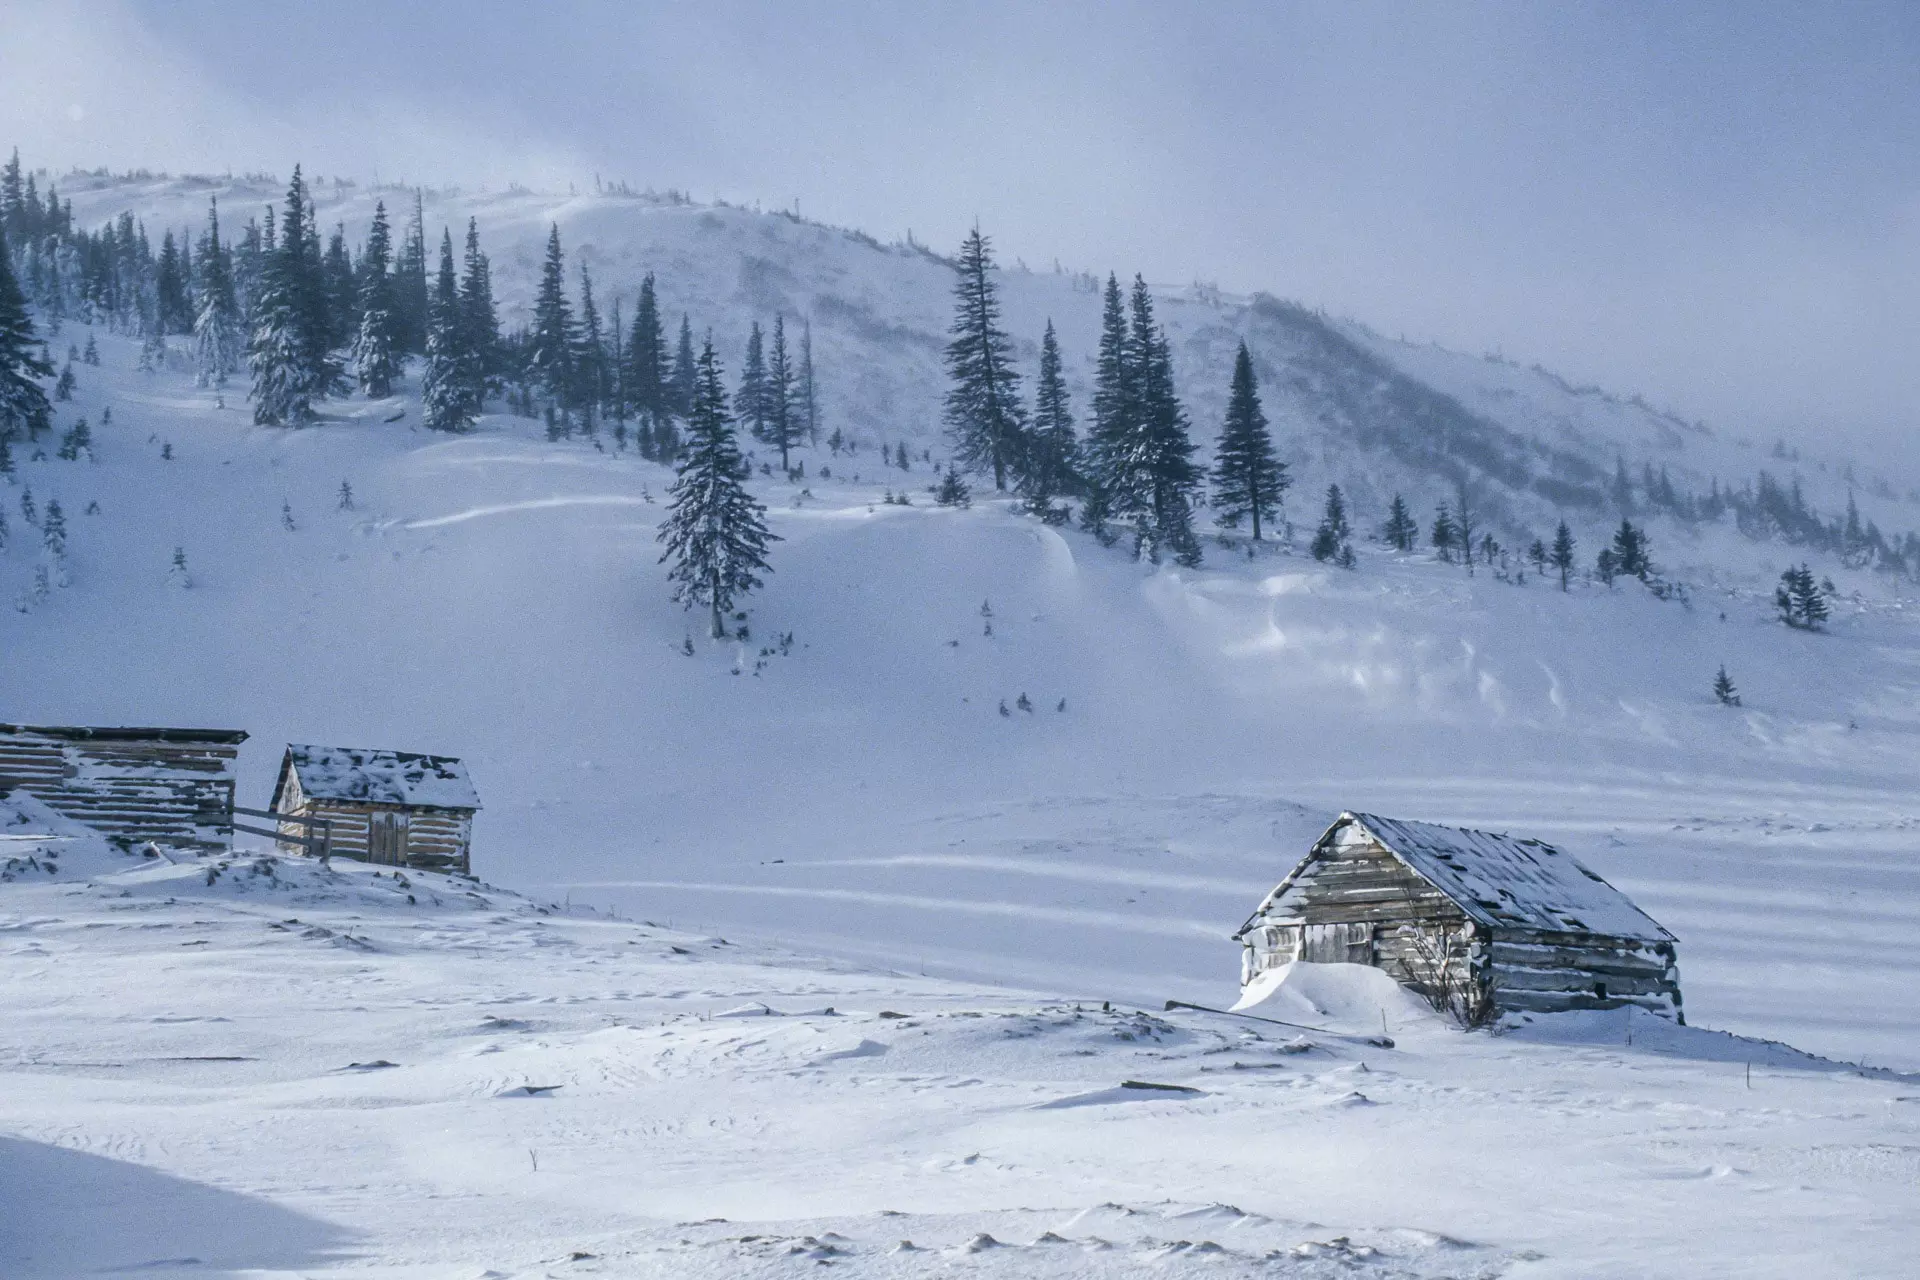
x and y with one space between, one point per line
1501 881
380 777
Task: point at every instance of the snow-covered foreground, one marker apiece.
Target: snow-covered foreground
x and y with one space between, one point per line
295 1071
858 795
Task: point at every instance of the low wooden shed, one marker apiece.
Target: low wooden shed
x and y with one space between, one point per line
171 787
1479 924
396 807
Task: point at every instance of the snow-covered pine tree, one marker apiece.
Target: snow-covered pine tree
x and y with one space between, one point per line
1248 480
377 359
809 395
1561 557
552 342
1163 452
1723 690
217 321
172 310
1334 530
1630 556
480 321
685 376
340 291
1401 530
1047 472
984 416
63 389
590 357
1799 599
953 490
1446 534
646 375
23 402
412 298
1109 443
291 354
785 430
177 575
90 354
446 386
750 405
715 532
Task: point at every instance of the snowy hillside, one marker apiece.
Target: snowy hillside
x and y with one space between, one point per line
1348 406
964 764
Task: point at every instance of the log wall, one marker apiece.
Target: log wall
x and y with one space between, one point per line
176 792
436 839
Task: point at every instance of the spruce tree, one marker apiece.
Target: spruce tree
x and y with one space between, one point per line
340 290
23 402
1630 551
809 396
1401 529
1445 534
291 353
685 376
751 404
1723 690
1331 537
217 320
785 430
554 338
646 376
715 532
1247 479
1048 470
590 357
1799 599
376 346
1162 451
411 296
446 386
172 309
480 322
1561 557
983 410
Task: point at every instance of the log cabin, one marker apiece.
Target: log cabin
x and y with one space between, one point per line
398 808
1478 924
136 786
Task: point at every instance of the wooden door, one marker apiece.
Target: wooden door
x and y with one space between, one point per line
387 838
1338 944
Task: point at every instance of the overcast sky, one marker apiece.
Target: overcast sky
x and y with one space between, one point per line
1715 204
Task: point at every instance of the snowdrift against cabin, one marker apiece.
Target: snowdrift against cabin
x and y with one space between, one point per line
1478 924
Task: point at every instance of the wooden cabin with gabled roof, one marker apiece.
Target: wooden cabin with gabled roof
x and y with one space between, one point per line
398 808
136 786
1477 923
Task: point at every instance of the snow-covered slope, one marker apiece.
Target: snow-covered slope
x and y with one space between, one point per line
1376 415
844 782
258 1067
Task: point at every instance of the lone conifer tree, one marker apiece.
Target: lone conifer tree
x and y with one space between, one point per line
1561 558
715 532
1446 534
1048 470
1630 551
376 346
1247 479
983 412
1164 478
1401 530
1723 689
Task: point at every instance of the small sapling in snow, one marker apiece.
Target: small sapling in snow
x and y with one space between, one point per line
1723 689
